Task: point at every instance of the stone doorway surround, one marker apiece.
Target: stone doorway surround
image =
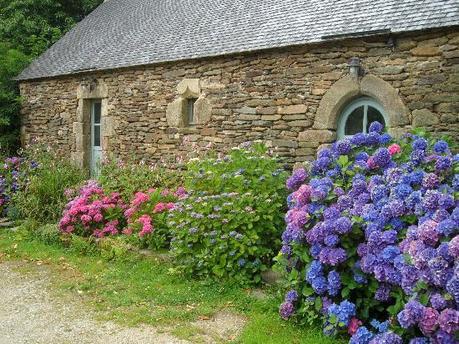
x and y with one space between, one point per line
87 91
344 91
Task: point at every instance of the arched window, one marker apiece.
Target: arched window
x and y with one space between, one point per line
358 115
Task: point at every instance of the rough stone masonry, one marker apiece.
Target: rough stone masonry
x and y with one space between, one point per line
290 97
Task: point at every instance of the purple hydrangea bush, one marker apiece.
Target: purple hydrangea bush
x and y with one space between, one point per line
14 174
371 243
9 182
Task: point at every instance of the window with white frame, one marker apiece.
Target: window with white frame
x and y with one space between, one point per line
358 115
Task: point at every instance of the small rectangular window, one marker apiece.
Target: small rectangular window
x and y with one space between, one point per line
190 111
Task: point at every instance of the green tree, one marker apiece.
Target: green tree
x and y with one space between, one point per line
27 29
12 61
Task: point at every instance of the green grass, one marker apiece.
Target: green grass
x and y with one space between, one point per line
134 291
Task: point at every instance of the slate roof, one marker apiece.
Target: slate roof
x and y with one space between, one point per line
123 33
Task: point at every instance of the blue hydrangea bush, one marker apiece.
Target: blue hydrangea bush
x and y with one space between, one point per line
230 224
371 245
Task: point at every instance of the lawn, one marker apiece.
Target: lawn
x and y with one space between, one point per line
135 291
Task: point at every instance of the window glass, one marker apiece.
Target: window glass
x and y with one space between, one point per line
97 136
190 110
373 115
354 123
97 108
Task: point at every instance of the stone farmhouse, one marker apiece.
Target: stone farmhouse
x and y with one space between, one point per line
145 78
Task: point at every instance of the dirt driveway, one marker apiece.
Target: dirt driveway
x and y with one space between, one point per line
34 313
29 313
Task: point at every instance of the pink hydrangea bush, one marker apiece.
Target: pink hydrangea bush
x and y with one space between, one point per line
372 240
147 216
93 213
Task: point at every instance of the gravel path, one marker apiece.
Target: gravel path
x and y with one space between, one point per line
29 313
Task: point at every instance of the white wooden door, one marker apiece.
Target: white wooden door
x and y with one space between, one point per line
96 137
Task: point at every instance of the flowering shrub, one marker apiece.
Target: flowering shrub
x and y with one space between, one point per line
244 169
148 212
127 178
43 178
229 225
371 245
93 213
9 182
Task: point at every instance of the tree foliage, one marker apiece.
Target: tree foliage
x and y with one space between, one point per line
27 29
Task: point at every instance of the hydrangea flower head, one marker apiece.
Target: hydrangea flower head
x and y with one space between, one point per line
429 322
419 144
343 312
443 163
286 310
334 283
375 127
394 149
381 327
411 314
382 157
343 147
452 286
298 178
449 320
430 181
361 336
441 146
291 296
417 157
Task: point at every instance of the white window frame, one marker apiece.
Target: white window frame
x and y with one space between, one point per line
365 102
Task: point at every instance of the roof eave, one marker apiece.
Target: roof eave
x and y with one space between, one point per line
324 39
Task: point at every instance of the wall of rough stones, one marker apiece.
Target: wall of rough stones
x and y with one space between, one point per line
271 96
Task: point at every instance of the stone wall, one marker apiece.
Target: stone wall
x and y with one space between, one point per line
279 96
